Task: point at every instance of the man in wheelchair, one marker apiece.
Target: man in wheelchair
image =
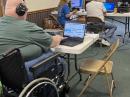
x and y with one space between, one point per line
16 32
20 66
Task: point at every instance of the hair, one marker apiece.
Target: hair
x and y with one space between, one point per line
62 2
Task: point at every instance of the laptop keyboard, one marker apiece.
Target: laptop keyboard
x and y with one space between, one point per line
71 41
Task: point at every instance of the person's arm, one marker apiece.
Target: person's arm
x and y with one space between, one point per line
56 40
37 35
71 13
67 12
104 10
104 13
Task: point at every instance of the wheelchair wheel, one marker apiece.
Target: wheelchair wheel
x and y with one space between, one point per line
42 87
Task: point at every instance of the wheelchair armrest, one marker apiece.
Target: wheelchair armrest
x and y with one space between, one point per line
44 62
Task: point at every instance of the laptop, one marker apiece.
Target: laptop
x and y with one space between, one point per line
109 6
73 34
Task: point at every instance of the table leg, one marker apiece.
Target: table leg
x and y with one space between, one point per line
76 67
125 26
129 26
68 61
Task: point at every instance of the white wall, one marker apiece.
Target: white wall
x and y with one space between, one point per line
34 5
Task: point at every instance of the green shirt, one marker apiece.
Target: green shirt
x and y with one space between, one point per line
30 38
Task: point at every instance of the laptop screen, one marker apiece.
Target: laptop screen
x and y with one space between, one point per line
109 6
74 30
77 4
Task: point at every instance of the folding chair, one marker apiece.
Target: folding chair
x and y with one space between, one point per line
14 74
95 67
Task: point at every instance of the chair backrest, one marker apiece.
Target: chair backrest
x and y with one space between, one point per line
94 24
93 19
56 21
111 50
12 70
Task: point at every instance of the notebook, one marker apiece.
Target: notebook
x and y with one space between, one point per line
73 33
109 6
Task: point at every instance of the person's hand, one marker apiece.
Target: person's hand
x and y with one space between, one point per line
75 11
56 40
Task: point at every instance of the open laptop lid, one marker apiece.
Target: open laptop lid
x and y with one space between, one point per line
74 30
109 6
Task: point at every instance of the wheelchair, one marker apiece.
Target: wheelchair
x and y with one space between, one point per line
45 78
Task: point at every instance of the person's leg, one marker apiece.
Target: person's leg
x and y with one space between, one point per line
111 28
103 39
106 36
31 63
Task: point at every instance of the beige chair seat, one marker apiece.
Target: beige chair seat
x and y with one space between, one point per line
93 65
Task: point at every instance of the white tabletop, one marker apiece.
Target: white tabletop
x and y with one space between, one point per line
119 14
81 13
54 12
53 30
78 49
109 14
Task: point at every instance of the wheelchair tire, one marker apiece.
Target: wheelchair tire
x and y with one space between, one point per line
41 87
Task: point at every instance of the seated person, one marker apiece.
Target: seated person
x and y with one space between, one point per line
96 8
64 13
16 32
